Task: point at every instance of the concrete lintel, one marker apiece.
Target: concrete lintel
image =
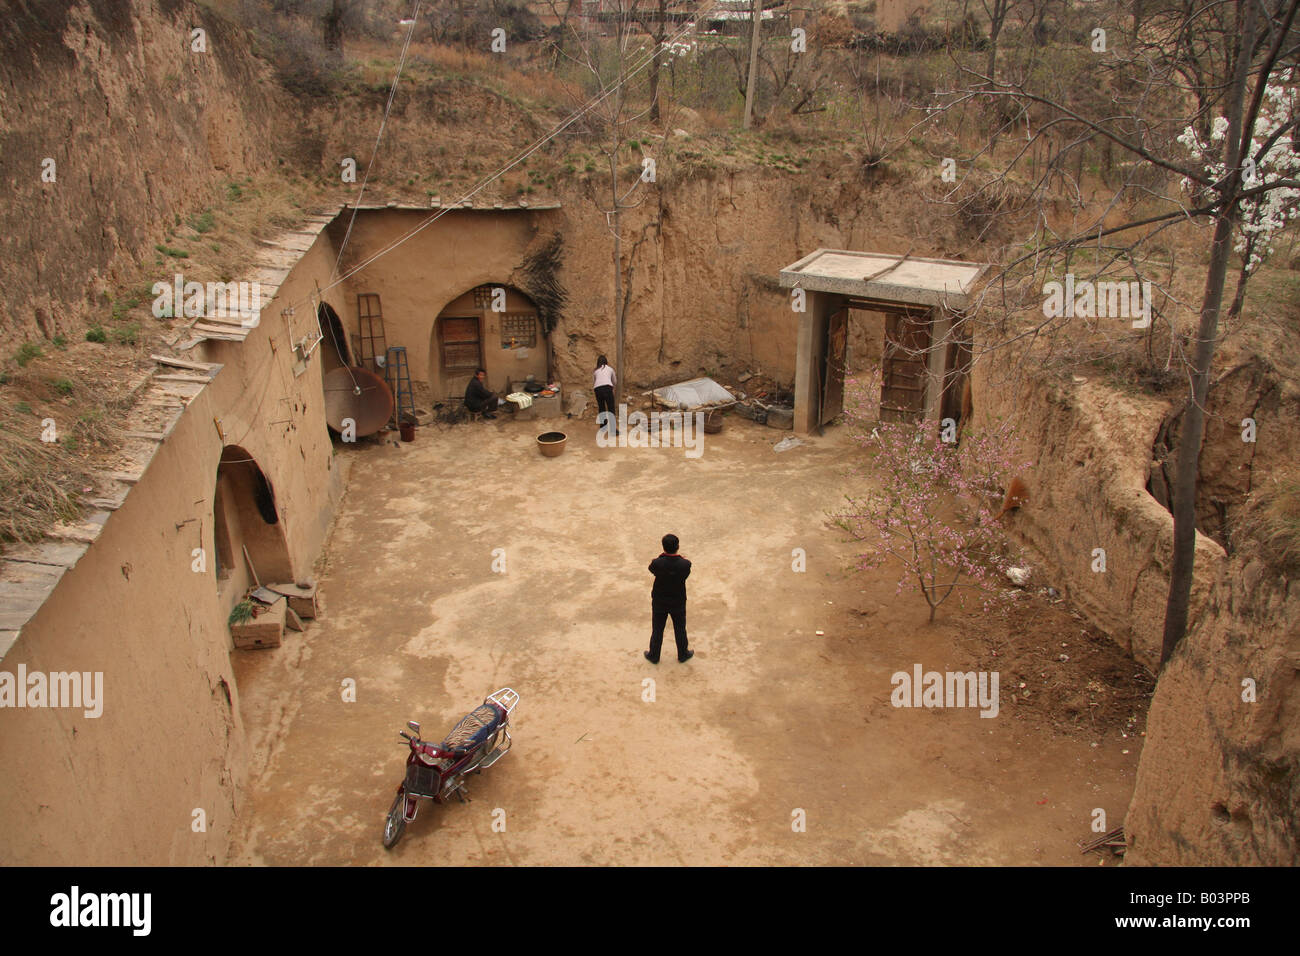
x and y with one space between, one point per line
904 281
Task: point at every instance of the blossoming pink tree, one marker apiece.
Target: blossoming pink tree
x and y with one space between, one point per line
917 485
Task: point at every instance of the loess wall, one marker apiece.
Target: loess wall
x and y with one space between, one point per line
139 129
122 788
1241 805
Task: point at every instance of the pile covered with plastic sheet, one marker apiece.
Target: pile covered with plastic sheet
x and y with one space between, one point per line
697 393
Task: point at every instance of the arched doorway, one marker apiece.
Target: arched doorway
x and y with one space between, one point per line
334 345
492 326
246 517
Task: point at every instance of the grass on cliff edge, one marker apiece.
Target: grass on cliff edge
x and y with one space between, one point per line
1272 518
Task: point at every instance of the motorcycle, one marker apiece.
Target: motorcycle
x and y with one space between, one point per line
437 771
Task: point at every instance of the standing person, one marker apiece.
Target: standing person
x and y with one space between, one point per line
478 398
604 383
668 598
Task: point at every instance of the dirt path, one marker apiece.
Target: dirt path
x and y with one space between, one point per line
768 718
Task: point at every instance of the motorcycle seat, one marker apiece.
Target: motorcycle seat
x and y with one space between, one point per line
474 728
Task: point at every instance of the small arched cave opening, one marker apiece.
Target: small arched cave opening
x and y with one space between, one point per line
248 533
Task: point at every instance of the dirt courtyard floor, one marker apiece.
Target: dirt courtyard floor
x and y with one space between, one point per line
785 707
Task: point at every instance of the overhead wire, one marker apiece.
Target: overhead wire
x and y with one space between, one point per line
365 179
573 117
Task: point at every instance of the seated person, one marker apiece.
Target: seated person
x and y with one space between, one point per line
478 398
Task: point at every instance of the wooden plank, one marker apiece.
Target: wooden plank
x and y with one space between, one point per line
185 363
76 533
223 320
301 600
196 379
58 553
206 327
24 589
219 336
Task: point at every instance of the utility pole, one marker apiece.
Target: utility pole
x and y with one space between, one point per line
755 15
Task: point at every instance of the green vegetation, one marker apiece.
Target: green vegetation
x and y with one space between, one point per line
169 251
126 334
63 386
22 408
204 222
59 342
241 612
26 352
96 333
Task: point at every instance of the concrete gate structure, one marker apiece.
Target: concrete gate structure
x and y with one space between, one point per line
926 353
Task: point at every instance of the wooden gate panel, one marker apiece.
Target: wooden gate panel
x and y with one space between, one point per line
902 390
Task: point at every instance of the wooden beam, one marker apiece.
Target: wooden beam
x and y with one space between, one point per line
185 363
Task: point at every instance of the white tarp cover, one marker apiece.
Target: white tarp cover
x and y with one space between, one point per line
697 393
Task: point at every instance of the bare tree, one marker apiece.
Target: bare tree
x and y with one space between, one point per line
612 66
1203 67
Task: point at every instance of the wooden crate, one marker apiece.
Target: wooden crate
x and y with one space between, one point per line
265 630
301 600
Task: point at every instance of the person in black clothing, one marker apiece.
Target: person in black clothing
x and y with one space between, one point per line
668 598
477 396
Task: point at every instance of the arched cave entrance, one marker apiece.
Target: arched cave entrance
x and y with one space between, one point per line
334 346
246 516
493 326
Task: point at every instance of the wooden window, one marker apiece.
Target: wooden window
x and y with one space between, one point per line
518 330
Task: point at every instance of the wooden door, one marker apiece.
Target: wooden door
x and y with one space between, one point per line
837 336
902 389
461 348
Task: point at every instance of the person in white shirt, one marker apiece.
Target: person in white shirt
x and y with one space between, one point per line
604 387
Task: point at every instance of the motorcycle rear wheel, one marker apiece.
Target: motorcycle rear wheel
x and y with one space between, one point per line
395 825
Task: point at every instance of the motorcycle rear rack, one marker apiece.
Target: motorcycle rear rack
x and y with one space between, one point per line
497 754
506 699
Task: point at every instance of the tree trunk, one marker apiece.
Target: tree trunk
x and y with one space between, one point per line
618 279
756 16
661 32
1181 575
334 26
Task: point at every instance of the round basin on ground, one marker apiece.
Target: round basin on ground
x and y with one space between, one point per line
552 443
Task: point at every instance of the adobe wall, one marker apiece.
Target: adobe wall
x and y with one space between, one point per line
1088 491
1093 445
121 788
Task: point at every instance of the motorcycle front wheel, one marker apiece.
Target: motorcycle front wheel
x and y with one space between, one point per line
395 825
